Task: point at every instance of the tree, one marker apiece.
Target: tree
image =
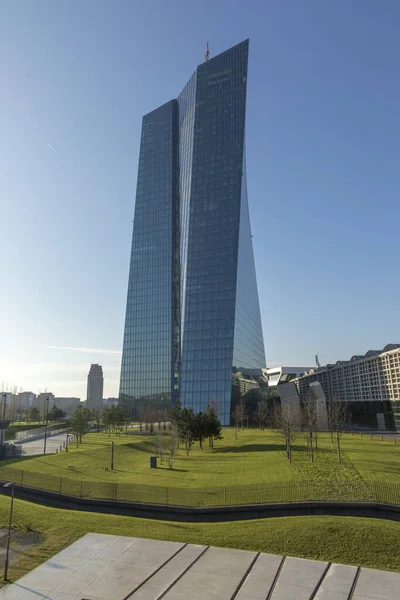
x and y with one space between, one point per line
171 446
287 423
32 414
239 415
213 426
199 428
262 414
97 414
338 421
185 427
310 422
78 424
55 413
107 420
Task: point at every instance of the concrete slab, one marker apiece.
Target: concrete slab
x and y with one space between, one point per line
89 545
261 577
379 585
338 580
224 561
54 572
109 567
169 574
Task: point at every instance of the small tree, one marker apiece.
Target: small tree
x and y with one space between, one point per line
170 445
212 426
310 422
32 414
262 414
239 415
287 423
338 422
78 424
186 427
56 413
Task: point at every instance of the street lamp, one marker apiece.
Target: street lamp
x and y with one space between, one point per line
4 416
9 528
45 429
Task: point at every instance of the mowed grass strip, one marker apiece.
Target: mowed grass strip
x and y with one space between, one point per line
256 457
366 542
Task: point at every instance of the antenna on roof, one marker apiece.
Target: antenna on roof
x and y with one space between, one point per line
207 54
317 361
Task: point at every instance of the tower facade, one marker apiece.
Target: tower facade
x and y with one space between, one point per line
192 310
94 398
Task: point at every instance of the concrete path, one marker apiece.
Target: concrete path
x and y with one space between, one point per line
35 447
109 567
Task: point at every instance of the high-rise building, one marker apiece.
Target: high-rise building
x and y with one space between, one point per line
192 309
94 398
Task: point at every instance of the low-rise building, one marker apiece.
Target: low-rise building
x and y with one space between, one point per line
370 383
68 405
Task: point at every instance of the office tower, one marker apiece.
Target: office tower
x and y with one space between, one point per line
94 398
192 308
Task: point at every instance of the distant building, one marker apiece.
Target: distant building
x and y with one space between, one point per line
109 402
25 399
370 383
40 402
68 405
94 399
279 375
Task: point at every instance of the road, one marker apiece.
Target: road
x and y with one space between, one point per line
35 447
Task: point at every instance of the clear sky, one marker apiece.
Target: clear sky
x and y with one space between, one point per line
323 161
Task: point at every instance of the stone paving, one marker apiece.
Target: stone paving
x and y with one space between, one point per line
109 567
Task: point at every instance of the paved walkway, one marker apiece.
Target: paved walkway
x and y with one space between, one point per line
109 567
35 447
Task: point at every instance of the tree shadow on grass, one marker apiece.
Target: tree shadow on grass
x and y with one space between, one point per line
250 448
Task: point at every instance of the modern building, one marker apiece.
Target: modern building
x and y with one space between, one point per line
68 405
94 398
370 383
192 308
279 375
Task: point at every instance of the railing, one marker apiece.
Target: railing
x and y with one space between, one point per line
358 491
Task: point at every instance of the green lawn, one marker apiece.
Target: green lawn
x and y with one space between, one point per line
255 457
366 542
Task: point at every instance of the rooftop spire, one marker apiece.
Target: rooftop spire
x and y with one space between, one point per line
207 55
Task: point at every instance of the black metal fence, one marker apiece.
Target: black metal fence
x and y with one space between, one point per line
359 491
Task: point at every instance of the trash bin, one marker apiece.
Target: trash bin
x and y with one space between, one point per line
153 462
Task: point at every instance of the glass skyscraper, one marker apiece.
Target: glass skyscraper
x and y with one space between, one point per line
192 310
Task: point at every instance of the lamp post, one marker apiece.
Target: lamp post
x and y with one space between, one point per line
4 416
45 428
9 529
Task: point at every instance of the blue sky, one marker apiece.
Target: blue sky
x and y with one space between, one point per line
323 155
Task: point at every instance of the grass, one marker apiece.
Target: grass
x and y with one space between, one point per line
365 542
255 457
